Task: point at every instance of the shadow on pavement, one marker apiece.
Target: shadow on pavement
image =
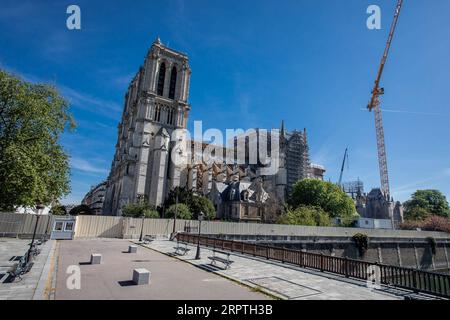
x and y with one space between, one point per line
126 283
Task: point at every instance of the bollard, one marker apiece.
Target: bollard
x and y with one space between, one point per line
141 276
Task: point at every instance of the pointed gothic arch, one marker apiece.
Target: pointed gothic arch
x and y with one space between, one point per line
161 79
173 82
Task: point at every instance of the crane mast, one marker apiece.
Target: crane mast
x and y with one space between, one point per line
342 168
374 104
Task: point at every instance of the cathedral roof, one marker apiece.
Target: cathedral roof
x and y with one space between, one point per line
234 190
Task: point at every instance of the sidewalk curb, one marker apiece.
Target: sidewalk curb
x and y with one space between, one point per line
41 292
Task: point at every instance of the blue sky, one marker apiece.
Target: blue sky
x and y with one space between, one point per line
254 63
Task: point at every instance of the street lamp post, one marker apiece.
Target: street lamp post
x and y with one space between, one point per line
142 226
39 209
46 228
200 218
175 215
141 201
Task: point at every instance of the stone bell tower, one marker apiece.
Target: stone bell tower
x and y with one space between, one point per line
156 104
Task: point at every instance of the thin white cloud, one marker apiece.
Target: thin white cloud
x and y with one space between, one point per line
85 166
77 99
87 102
123 81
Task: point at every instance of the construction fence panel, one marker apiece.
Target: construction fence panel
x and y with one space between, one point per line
98 227
17 224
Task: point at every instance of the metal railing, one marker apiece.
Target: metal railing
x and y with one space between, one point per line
407 278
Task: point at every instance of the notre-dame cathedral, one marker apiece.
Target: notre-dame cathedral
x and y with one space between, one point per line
156 104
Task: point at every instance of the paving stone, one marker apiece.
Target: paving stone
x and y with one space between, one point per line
286 282
25 288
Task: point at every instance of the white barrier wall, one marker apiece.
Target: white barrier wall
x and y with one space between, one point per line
132 229
98 227
121 227
14 224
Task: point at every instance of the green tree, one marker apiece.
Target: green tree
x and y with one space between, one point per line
137 210
202 204
181 210
416 214
150 213
325 195
194 202
58 210
306 216
425 203
33 165
81 210
184 196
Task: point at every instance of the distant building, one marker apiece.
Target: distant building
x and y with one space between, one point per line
316 171
70 206
377 205
95 197
240 200
368 223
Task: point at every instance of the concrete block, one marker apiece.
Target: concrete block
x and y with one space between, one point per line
141 276
132 249
96 258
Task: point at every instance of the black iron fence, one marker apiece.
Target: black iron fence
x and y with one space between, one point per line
407 278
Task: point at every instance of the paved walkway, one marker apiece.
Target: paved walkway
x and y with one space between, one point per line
30 285
281 280
170 277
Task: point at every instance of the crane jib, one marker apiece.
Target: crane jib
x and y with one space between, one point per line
375 91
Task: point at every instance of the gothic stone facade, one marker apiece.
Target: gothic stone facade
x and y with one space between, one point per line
155 105
377 205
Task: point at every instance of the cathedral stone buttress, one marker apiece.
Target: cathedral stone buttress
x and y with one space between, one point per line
156 104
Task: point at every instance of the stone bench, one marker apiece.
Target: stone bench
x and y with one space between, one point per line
132 249
96 258
227 262
141 276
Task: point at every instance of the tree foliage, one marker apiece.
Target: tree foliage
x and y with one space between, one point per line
195 203
184 196
58 210
150 213
182 211
361 241
202 204
81 210
306 216
325 195
416 214
425 203
137 210
33 165
432 223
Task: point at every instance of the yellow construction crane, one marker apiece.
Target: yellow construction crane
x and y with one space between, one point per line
374 104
